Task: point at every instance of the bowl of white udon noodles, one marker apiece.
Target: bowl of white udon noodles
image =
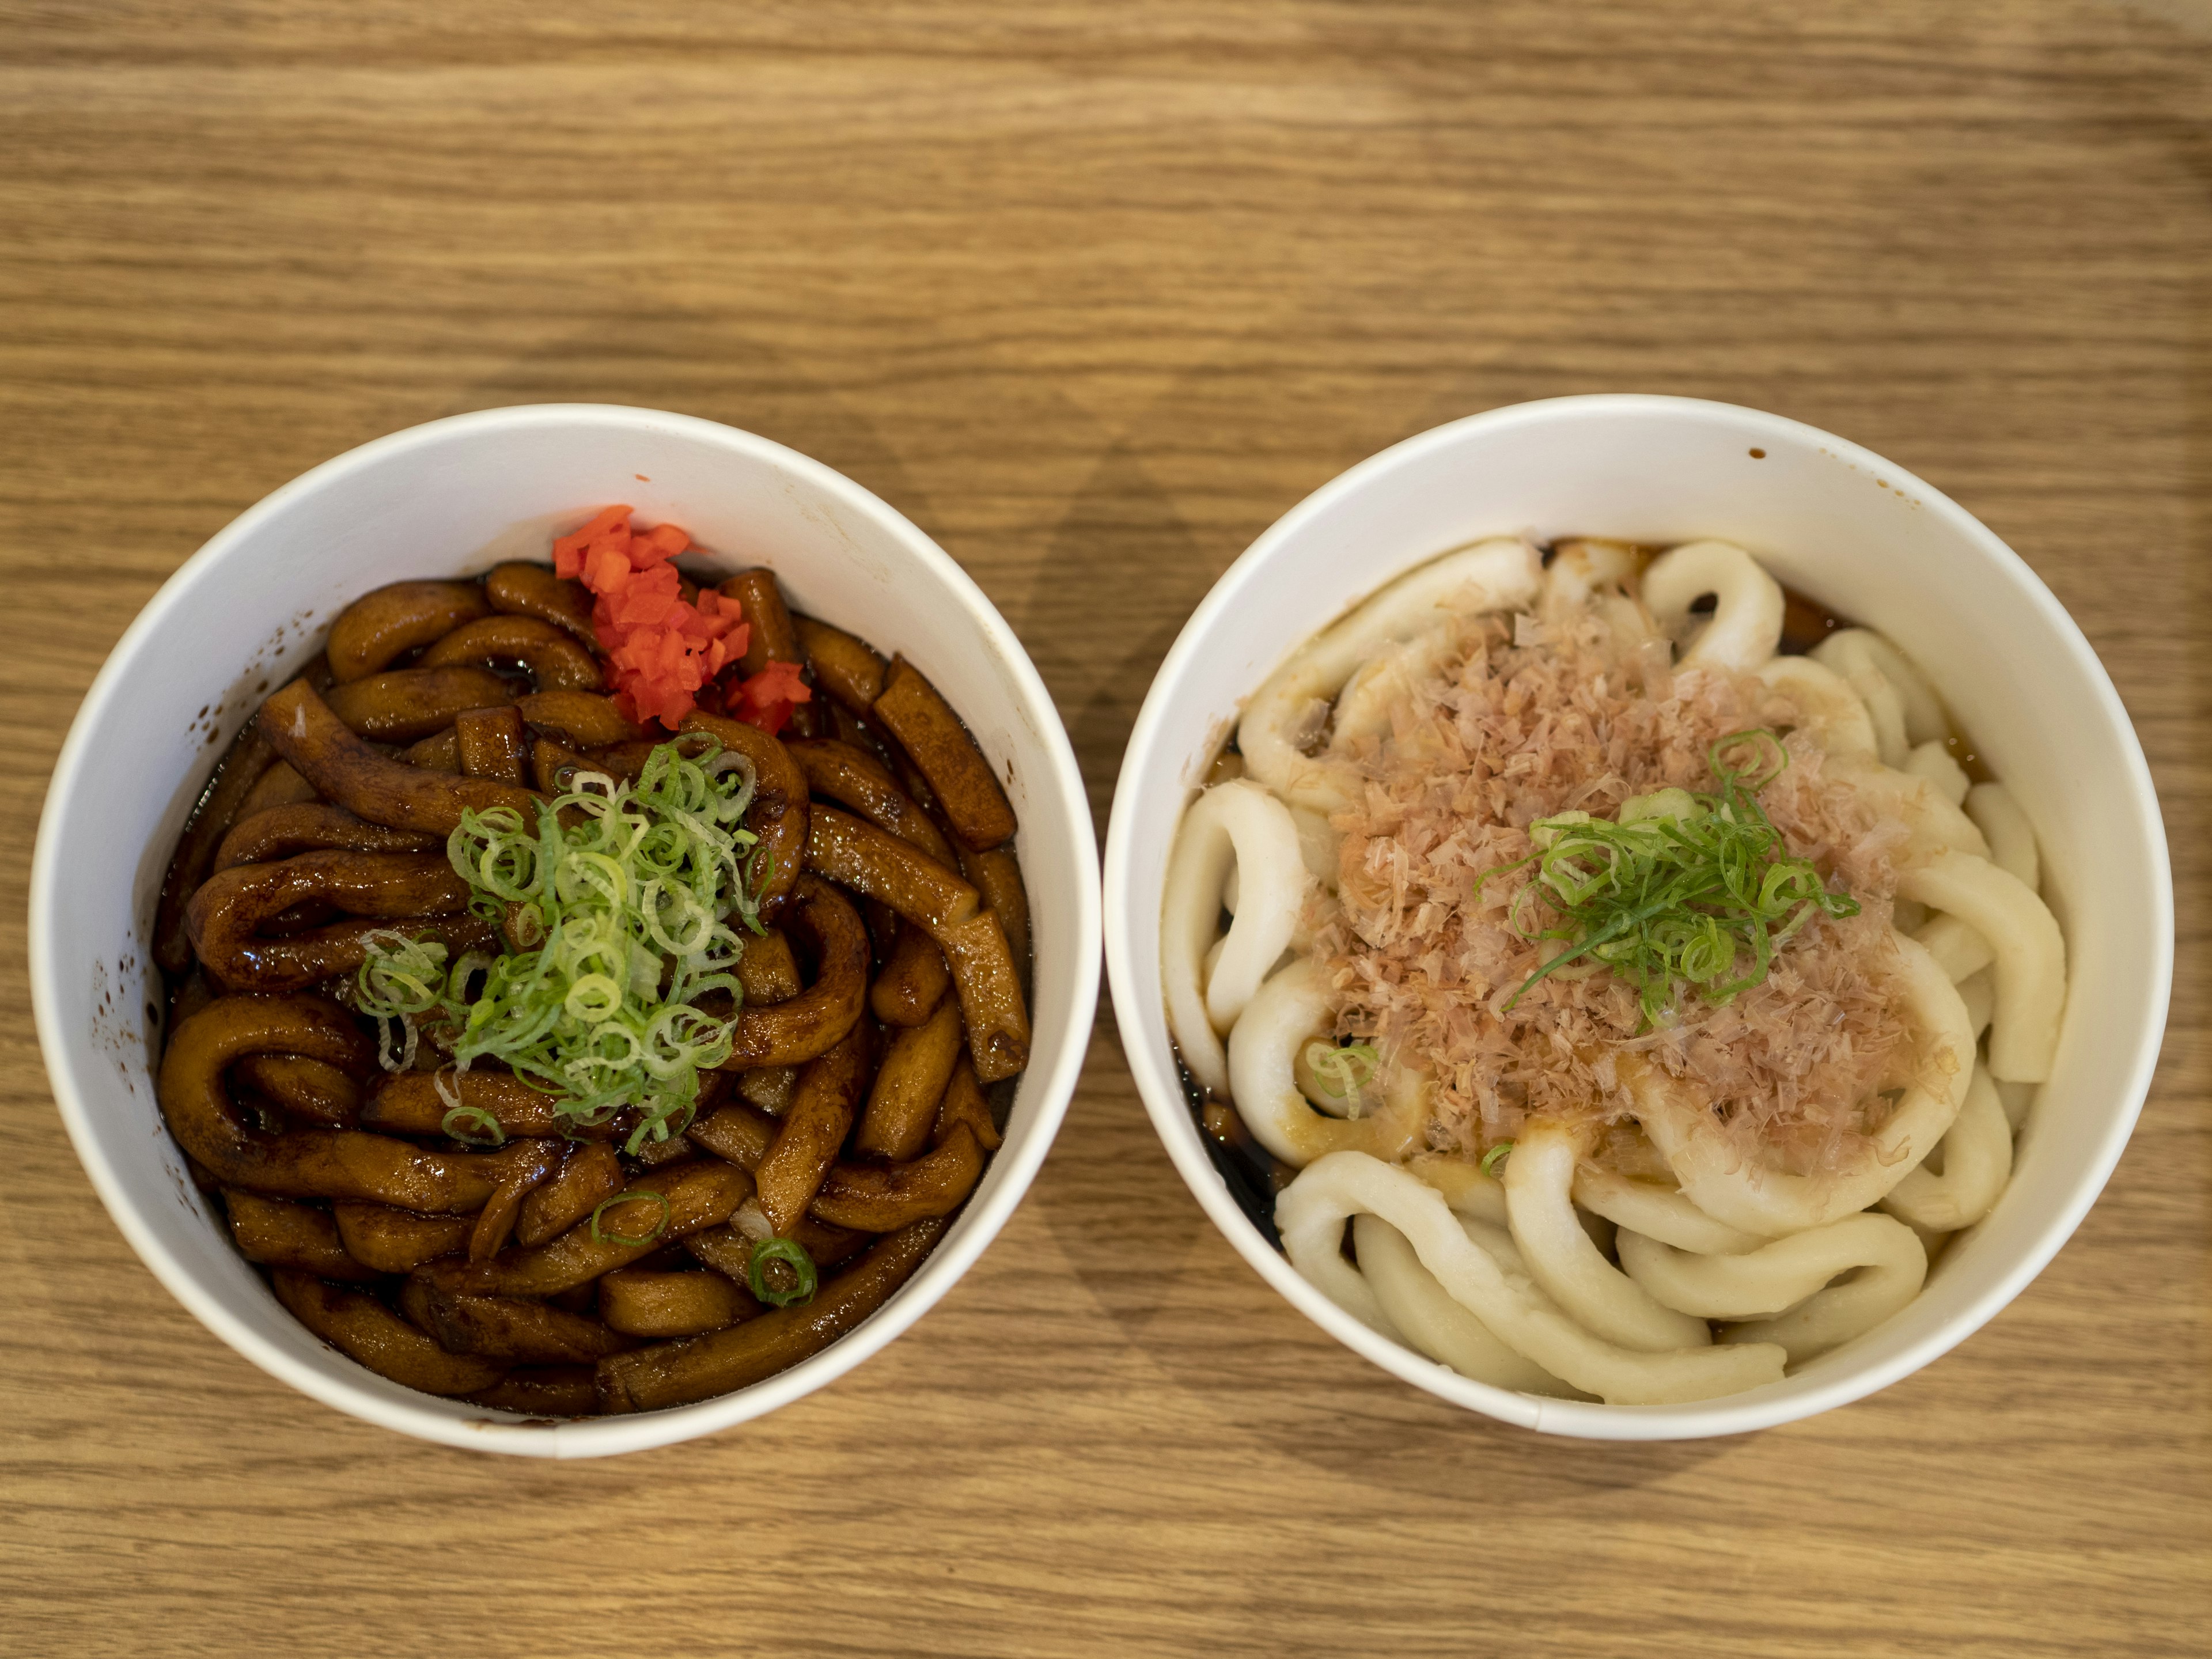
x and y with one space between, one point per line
1601 1247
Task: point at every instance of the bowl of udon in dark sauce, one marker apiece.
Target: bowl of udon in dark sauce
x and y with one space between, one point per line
1639 917
820 929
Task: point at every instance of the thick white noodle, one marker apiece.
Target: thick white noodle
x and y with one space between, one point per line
1833 1317
1977 1159
1934 824
1290 1010
1540 1175
1601 575
1272 883
1656 1212
1745 625
1318 844
1579 569
1776 1277
1362 707
2018 1100
1310 1215
1427 1319
1849 654
1492 575
1758 1199
1996 813
1832 710
1960 950
1233 829
1632 625
1979 992
1787 1278
1465 1188
2031 955
1933 761
1924 718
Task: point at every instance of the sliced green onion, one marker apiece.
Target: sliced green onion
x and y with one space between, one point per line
760 869
400 976
659 1226
400 980
657 1129
799 1268
1494 1159
474 1125
1342 1071
1679 889
631 894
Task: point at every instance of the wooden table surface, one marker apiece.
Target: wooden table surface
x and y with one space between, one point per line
1094 293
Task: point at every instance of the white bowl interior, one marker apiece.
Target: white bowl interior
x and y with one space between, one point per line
1843 526
454 497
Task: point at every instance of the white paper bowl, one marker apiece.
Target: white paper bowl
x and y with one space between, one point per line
1848 528
454 497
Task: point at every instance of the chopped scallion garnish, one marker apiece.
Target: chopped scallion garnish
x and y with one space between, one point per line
401 980
474 1125
781 1273
1494 1159
609 1237
1342 1072
624 888
1679 889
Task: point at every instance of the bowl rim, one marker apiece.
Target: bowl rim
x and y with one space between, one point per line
1162 1093
334 1378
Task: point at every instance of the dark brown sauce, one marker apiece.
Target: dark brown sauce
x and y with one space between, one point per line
1806 622
1252 1173
1969 762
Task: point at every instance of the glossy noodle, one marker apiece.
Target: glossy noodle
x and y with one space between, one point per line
521 995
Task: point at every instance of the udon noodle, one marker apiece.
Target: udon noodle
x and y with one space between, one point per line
1628 1008
573 1012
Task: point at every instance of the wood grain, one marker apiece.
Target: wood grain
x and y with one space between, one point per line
1094 294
